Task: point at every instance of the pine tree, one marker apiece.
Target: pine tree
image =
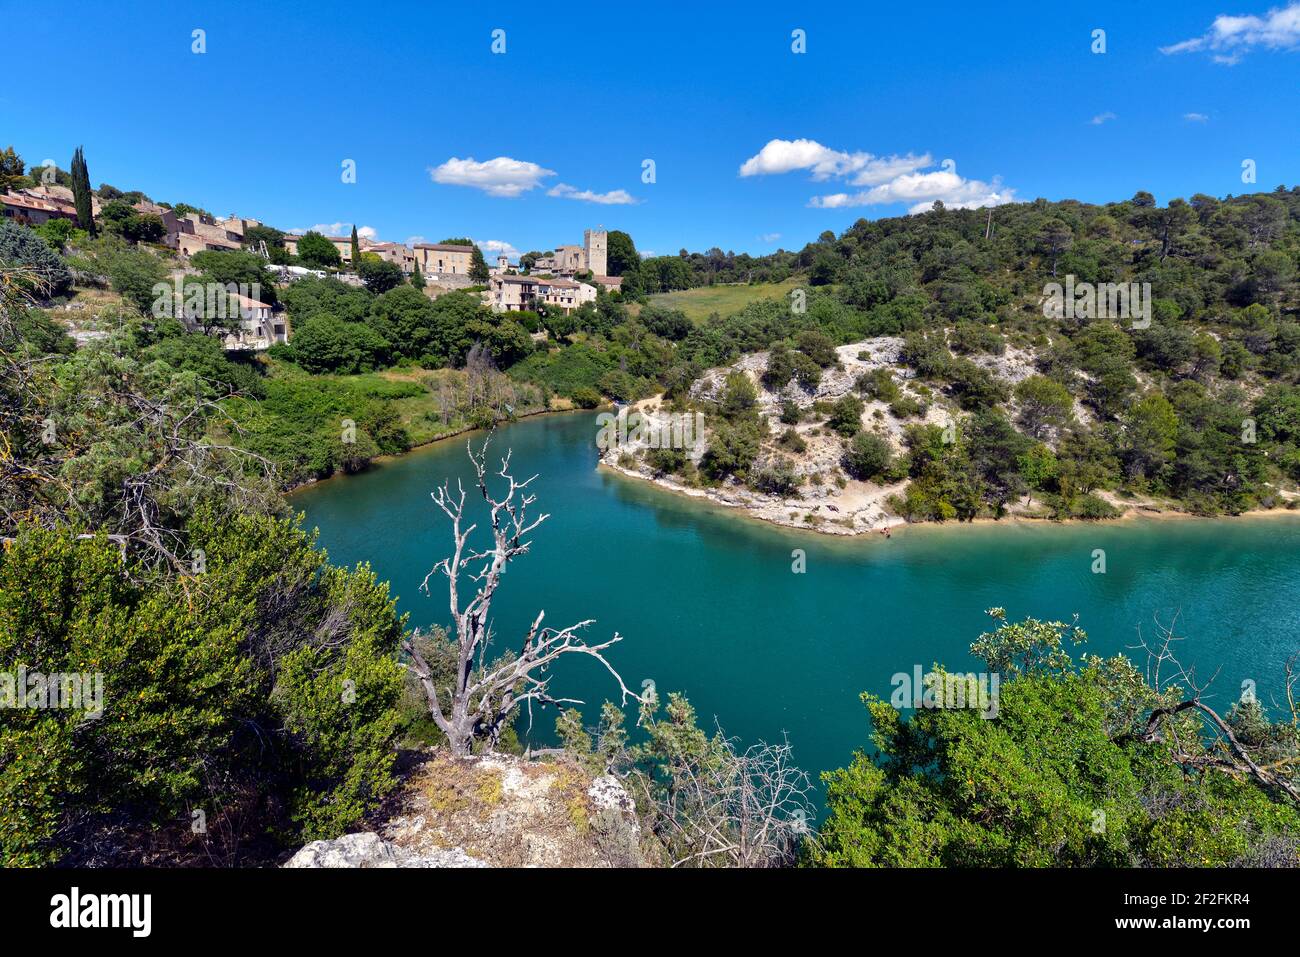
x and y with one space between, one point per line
81 192
356 249
11 169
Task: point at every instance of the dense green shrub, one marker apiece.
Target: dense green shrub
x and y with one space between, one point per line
868 456
134 273
846 415
731 450
666 461
806 371
878 384
776 478
325 344
792 441
948 788
302 422
585 398
564 371
19 246
205 356
1091 507
780 367
906 407
817 346
265 685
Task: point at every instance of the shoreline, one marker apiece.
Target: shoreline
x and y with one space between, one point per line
1131 513
826 529
417 447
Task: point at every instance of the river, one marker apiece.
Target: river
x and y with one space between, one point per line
707 602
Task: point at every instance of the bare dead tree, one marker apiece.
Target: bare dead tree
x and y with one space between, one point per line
483 694
728 808
444 404
1208 741
478 374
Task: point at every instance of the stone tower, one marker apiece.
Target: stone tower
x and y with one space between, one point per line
593 246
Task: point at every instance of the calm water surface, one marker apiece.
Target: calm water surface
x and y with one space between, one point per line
707 602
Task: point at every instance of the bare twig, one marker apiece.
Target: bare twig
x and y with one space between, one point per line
484 696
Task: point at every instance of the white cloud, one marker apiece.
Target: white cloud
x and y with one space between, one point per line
1231 37
496 177
892 179
785 156
1101 118
1196 118
497 247
770 237
920 190
345 229
412 240
615 197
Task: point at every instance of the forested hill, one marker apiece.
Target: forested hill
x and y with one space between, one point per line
1208 262
1190 397
1106 243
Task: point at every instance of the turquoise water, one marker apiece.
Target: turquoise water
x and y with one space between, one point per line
707 602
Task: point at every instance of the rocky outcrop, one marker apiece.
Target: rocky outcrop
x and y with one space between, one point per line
510 811
367 849
827 499
495 811
608 796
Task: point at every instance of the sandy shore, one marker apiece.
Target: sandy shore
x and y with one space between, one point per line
859 509
826 498
835 521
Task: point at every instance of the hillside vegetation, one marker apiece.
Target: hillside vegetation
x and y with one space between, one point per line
1193 401
701 302
255 698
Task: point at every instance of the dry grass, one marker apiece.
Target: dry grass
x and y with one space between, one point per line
505 811
700 303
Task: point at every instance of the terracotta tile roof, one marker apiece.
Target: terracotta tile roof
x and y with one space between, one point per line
29 202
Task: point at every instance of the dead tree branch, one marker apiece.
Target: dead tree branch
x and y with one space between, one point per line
484 694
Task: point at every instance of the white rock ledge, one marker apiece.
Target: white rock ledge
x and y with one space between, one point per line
370 850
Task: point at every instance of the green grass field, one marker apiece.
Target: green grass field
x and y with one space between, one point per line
699 303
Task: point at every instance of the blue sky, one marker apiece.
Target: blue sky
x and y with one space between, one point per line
261 123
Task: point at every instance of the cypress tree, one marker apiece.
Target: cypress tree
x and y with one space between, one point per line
478 270
356 249
81 192
417 278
